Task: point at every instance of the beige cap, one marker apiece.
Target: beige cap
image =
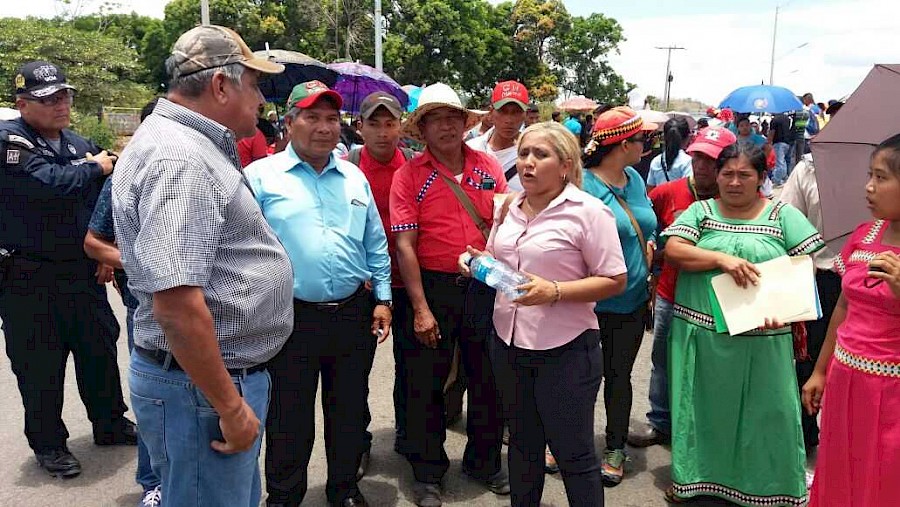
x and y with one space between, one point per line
211 46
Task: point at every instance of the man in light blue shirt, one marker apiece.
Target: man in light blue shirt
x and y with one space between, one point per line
323 211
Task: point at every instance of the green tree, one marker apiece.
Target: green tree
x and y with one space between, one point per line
457 42
580 53
105 71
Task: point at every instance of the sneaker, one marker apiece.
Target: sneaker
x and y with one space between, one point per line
152 498
59 462
427 495
550 464
612 469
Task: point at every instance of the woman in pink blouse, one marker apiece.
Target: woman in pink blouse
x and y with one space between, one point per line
546 357
858 371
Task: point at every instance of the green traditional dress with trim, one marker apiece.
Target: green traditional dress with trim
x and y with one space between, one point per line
735 403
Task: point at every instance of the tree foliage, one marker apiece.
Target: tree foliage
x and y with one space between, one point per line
102 67
468 44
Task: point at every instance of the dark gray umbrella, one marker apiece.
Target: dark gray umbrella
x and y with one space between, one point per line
842 149
298 68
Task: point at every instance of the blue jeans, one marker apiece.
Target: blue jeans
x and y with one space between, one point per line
178 423
659 415
144 474
782 163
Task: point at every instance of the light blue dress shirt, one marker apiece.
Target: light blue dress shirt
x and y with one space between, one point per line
327 222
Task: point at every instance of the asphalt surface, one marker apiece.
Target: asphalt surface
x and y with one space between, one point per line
108 476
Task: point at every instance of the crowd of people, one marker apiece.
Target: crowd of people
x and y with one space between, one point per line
251 279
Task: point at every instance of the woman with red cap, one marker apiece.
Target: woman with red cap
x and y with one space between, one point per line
617 142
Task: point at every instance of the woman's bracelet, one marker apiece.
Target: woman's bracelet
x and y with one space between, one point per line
558 293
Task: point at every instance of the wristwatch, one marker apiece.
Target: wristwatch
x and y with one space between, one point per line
385 302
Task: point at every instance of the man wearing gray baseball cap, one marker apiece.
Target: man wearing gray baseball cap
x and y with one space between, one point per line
212 281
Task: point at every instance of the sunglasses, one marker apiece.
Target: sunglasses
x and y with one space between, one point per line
62 96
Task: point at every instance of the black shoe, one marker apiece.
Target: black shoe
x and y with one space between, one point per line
497 484
427 495
118 432
356 500
59 462
647 437
363 464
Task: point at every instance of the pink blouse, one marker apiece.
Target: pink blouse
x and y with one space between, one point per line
573 238
872 326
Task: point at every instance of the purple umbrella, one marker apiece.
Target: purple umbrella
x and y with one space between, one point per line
357 81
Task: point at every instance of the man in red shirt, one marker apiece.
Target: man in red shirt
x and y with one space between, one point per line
442 201
670 200
379 158
253 148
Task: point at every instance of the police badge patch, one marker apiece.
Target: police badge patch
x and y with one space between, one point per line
13 157
71 149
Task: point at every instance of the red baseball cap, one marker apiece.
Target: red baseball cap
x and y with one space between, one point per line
711 141
510 92
304 95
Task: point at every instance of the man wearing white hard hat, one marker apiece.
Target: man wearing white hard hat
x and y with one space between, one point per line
441 202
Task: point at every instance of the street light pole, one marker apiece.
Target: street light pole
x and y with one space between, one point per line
772 60
204 12
378 56
668 86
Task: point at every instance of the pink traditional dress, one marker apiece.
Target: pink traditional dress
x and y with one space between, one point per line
859 452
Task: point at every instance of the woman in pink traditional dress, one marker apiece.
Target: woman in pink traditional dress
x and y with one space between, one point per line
859 454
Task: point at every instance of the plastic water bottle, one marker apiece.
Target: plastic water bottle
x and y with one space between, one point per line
498 275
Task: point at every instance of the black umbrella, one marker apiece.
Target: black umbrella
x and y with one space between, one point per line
298 68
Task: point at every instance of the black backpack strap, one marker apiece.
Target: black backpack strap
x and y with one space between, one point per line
510 172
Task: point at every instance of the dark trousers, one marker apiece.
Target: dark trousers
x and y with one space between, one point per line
401 308
427 370
549 397
339 347
49 310
829 286
621 336
484 414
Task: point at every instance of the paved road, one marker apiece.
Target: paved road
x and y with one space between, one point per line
108 477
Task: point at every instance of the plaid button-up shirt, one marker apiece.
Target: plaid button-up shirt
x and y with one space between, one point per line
184 216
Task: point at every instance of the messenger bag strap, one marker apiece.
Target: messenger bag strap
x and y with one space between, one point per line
467 204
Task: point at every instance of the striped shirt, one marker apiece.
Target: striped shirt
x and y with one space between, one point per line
184 216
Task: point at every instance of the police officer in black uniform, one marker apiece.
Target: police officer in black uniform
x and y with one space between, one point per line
50 300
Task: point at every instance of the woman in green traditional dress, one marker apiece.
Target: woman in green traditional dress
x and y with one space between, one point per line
736 430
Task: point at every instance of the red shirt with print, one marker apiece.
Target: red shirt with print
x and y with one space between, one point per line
669 200
422 201
380 177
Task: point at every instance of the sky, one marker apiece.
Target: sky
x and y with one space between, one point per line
825 47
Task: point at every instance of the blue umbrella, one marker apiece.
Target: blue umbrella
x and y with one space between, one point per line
761 99
413 92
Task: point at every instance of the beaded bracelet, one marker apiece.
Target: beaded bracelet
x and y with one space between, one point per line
558 293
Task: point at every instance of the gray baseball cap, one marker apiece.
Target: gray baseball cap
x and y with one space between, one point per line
374 100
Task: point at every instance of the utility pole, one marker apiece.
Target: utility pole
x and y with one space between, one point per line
668 86
378 61
772 60
204 12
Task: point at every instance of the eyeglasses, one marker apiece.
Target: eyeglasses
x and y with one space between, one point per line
61 96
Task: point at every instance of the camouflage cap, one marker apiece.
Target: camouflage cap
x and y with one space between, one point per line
211 46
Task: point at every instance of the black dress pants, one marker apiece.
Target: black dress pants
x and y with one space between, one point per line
621 336
427 371
49 310
549 398
829 286
339 347
401 307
